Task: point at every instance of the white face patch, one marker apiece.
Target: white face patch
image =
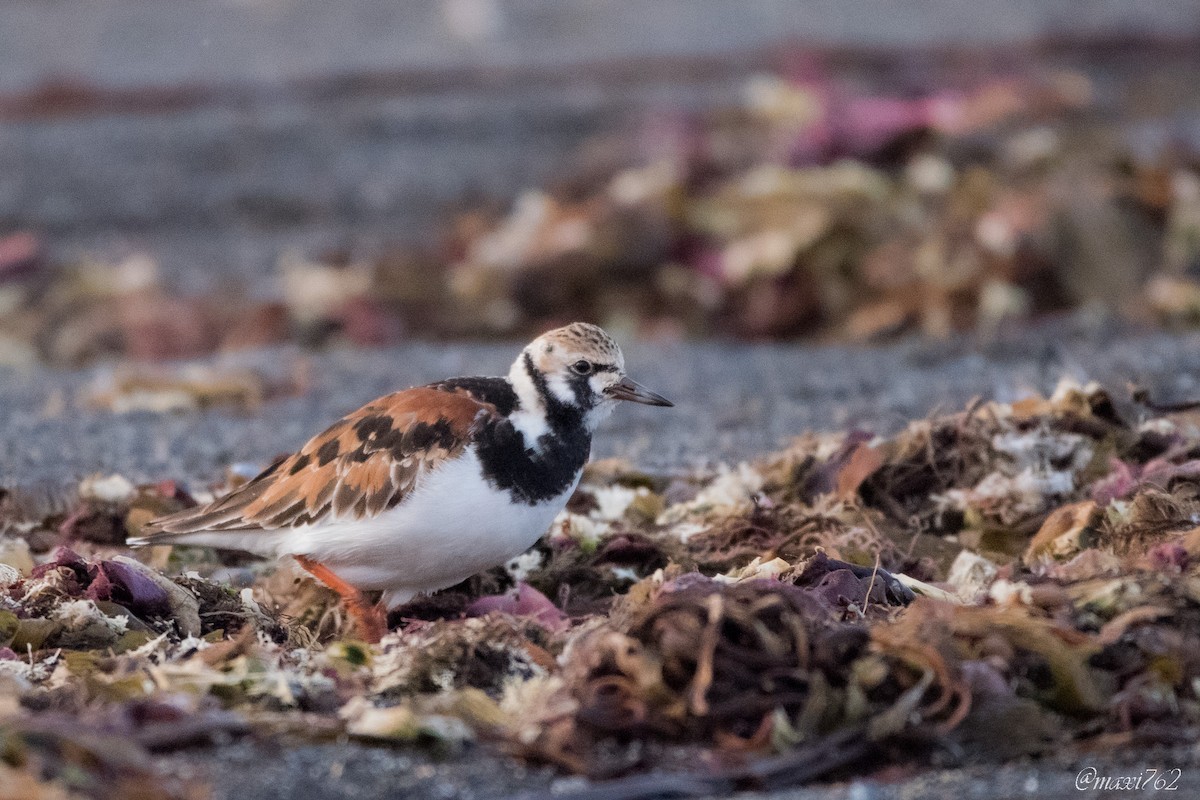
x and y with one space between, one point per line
601 381
561 389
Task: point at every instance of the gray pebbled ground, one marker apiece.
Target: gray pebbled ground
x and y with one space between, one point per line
733 401
250 770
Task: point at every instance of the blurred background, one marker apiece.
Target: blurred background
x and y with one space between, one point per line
184 177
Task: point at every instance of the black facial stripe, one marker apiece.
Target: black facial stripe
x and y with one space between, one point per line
540 384
585 398
539 380
606 367
559 415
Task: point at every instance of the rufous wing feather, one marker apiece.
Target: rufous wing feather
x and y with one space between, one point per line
364 464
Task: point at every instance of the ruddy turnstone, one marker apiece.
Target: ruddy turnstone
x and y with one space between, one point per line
425 487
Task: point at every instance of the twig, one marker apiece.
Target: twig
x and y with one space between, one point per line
870 585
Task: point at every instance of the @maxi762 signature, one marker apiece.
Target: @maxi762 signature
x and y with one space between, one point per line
1089 779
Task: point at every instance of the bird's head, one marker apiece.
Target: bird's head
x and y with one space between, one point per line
577 368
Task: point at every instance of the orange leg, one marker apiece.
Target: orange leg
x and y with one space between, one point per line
371 620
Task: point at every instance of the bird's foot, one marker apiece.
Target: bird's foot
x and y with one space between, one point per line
370 619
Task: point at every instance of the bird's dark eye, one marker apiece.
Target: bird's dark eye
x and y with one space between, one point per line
582 367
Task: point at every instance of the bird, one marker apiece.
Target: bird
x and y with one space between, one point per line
422 488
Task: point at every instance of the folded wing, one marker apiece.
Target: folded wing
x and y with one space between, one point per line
363 465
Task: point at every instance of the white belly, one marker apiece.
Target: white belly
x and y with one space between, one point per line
453 526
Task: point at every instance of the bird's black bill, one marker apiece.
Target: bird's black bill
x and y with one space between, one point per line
625 389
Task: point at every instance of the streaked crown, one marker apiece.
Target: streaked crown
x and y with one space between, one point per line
562 348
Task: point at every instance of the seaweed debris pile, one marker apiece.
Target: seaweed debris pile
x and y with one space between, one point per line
850 602
814 205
